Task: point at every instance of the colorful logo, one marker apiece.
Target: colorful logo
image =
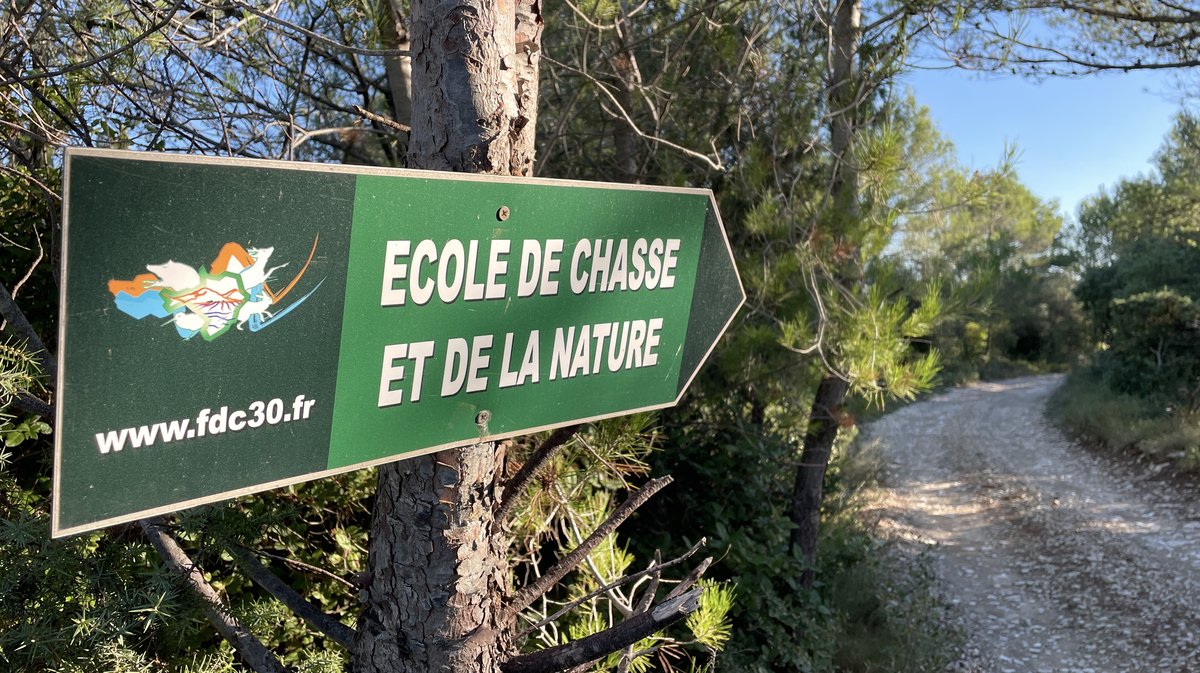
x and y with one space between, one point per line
233 291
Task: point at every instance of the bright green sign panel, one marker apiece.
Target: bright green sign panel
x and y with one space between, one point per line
230 326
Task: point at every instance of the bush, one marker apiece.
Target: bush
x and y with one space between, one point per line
868 610
1144 313
1091 409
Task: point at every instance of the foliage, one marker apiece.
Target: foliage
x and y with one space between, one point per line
104 601
19 372
997 250
577 494
93 602
241 81
734 96
824 293
867 611
1088 408
1140 283
1139 288
14 434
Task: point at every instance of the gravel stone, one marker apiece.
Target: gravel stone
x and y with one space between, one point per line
1054 558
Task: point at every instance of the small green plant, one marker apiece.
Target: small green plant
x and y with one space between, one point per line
19 372
710 624
13 433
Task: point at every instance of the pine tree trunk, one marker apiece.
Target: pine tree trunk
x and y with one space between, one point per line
438 570
809 489
823 423
474 85
844 99
437 567
629 78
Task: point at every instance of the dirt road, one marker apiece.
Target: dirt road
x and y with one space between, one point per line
1058 559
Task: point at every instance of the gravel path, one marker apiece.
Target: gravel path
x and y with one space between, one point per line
1058 559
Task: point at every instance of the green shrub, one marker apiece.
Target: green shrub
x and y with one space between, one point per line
1086 406
868 610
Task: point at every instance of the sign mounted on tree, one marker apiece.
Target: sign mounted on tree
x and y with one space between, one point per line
229 326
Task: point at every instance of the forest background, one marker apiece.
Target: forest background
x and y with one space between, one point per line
877 267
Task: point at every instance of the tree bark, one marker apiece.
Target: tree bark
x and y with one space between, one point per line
437 567
629 78
843 98
438 570
398 68
474 80
809 489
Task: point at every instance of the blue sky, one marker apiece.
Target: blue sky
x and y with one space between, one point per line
1073 135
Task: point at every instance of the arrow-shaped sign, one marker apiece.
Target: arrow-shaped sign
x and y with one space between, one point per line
230 326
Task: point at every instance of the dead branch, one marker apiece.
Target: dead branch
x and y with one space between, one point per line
251 649
655 576
380 119
304 609
516 485
598 645
50 193
301 565
32 405
691 578
16 319
620 581
526 596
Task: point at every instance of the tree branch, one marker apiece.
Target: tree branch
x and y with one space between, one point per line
87 63
53 195
714 162
647 598
309 568
593 647
331 43
380 119
526 596
310 613
691 578
12 313
516 486
623 580
251 649
33 405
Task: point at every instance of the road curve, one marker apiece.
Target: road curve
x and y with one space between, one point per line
1058 559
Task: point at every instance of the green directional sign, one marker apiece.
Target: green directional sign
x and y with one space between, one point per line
229 326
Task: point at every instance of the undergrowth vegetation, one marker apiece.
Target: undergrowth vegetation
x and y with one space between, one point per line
1137 248
1088 408
868 610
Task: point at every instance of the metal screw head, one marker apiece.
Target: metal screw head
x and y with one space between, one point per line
503 213
483 417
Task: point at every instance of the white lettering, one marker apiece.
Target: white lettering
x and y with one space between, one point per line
531 263
392 272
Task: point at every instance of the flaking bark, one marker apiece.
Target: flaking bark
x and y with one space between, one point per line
438 569
474 79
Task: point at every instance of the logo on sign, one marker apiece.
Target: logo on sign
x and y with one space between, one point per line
234 291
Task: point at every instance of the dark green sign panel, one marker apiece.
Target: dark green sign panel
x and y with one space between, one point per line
230 326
